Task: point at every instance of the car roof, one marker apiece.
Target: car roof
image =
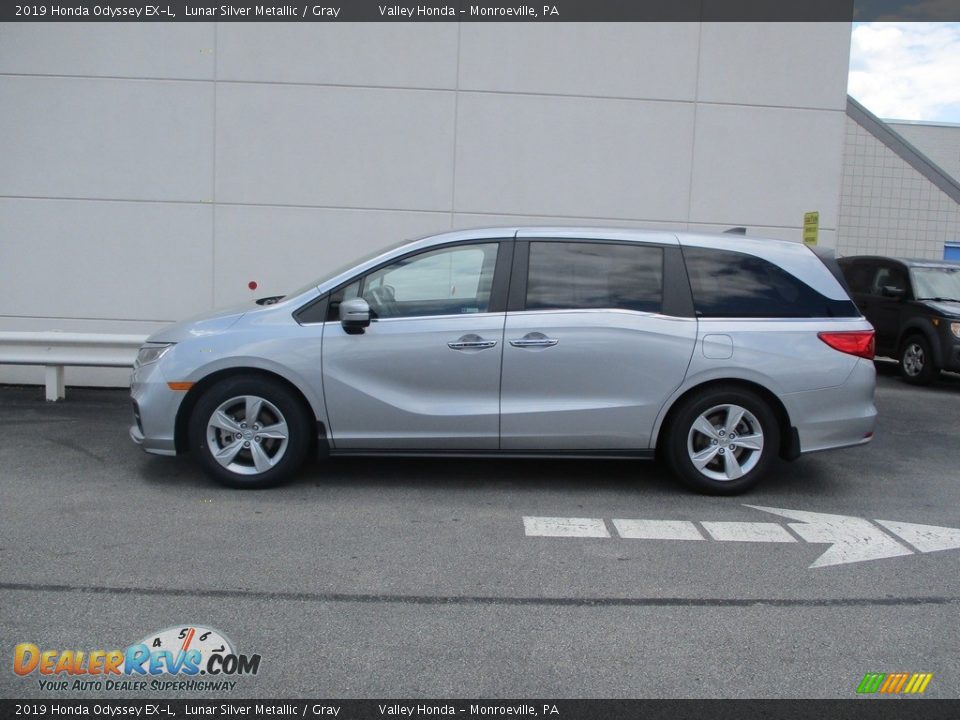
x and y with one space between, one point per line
909 262
748 243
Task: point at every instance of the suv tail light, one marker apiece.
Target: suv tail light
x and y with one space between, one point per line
855 342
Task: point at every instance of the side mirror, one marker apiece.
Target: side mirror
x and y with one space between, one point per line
354 314
892 291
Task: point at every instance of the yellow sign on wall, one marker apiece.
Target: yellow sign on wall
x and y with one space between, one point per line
811 227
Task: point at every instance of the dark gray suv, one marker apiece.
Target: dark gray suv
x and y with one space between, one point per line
914 305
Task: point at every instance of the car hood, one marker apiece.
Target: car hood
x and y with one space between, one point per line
944 308
208 323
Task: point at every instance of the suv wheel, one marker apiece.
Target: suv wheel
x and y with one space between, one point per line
721 441
916 362
250 432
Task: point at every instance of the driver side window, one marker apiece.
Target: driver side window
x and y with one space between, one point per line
448 281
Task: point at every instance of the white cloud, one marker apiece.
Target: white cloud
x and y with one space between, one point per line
908 71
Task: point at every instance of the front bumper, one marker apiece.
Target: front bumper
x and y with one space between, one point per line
950 355
155 410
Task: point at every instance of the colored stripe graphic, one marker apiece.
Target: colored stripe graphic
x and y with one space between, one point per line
871 682
894 683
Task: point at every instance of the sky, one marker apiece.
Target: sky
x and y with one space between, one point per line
907 71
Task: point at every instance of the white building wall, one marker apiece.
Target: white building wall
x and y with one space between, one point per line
940 143
889 208
151 171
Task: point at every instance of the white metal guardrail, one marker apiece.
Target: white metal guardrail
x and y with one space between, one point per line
57 350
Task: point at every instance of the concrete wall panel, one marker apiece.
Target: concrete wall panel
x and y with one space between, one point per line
781 64
324 146
766 166
631 60
123 49
106 138
414 55
104 260
539 155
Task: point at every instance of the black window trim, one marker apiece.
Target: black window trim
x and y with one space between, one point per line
676 300
498 291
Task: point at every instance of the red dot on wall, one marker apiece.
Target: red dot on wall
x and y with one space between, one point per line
252 284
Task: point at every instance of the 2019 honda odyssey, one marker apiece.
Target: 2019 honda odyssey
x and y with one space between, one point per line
718 352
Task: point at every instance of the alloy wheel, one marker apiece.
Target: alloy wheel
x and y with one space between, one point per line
247 435
725 442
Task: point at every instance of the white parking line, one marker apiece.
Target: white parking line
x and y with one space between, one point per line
565 527
748 532
925 538
657 529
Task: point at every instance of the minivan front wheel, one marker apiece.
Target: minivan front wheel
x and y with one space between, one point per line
722 441
916 362
250 432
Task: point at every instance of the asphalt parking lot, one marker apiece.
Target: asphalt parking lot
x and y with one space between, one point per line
416 578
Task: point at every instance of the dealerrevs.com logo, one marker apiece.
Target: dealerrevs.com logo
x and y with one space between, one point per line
172 659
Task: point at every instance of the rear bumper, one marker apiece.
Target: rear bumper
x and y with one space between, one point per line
836 417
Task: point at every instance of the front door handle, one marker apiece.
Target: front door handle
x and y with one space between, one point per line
534 340
471 342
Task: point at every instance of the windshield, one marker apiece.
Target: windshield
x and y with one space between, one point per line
937 283
343 268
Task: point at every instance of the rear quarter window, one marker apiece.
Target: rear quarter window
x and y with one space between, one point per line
732 284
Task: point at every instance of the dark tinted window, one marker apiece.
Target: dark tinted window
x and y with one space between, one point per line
889 276
732 284
577 275
859 276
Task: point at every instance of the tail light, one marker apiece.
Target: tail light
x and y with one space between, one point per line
855 342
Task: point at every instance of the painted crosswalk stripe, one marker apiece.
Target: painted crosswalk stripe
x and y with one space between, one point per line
565 527
657 529
748 532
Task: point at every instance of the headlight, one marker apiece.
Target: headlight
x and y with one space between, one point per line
955 329
150 354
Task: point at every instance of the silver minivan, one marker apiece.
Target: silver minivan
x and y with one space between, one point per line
716 352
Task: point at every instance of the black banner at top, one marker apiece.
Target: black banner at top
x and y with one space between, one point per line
478 10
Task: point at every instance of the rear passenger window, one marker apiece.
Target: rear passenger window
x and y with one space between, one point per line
584 275
859 276
731 284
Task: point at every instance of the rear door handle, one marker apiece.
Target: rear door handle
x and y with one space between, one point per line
471 341
534 340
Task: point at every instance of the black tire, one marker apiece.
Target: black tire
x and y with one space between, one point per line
916 361
682 440
285 458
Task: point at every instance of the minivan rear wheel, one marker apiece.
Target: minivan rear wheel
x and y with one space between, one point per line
916 362
721 441
250 432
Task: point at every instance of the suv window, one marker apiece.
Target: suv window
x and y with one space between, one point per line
734 284
859 276
448 281
888 276
587 275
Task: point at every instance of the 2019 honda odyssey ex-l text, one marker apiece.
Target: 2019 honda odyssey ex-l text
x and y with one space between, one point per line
717 352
